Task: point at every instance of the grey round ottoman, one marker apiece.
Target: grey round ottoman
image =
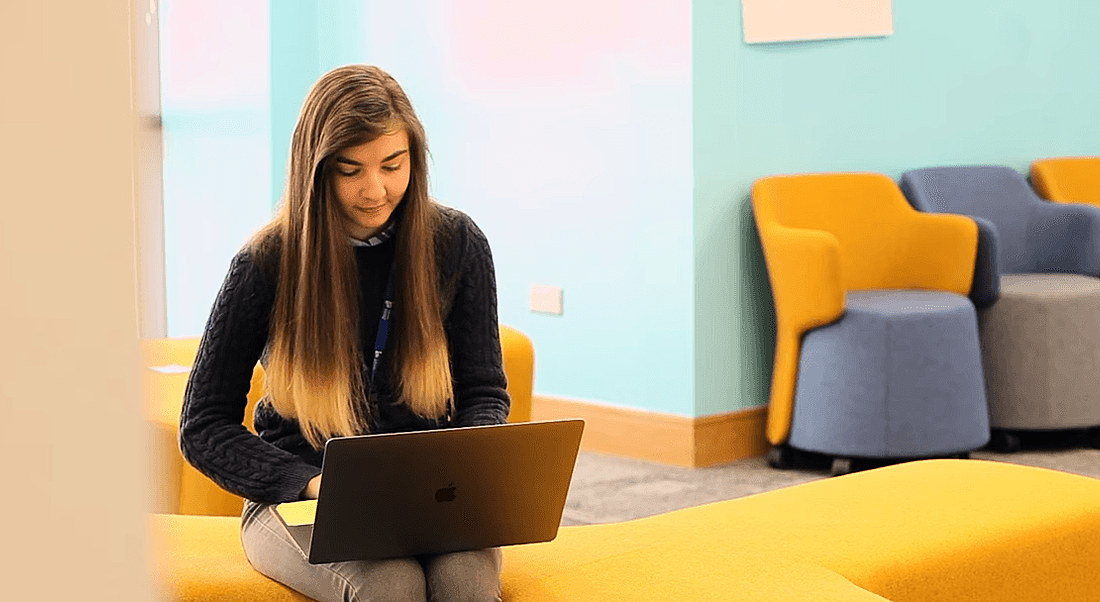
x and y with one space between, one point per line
1041 352
898 376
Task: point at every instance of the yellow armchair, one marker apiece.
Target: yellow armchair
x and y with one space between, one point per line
180 489
177 487
1068 179
824 235
519 367
808 292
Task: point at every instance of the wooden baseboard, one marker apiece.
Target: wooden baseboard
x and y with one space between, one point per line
722 438
664 438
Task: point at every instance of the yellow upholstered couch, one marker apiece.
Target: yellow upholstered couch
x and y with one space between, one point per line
180 489
930 531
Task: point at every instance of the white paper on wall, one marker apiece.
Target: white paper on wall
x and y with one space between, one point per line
787 20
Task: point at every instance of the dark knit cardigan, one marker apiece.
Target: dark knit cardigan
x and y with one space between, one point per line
276 464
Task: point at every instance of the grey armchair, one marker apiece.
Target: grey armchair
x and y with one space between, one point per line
1040 327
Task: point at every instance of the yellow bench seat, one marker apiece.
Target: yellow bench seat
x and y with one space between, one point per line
916 532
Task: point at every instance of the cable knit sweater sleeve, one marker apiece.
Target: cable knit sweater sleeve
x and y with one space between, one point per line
472 328
213 437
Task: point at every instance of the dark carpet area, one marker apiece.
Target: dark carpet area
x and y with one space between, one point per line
610 489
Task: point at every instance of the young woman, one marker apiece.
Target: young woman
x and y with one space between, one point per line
373 309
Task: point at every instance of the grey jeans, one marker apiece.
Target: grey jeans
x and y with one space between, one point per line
457 577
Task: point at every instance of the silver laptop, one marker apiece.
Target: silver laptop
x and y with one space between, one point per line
445 490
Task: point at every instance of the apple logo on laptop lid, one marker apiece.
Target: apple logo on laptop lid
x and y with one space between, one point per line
446 494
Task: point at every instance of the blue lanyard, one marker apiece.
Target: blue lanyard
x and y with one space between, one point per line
384 323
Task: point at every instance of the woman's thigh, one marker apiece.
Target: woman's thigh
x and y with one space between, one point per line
271 551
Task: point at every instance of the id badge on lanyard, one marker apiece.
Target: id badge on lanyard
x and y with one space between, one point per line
383 323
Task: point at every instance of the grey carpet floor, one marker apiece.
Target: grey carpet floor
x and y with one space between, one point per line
611 489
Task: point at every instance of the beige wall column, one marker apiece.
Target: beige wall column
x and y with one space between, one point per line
74 495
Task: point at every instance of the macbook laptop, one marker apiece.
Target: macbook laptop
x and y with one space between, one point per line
437 491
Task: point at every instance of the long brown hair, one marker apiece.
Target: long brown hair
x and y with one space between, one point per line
314 370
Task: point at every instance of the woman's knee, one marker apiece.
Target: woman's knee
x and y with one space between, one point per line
394 580
464 576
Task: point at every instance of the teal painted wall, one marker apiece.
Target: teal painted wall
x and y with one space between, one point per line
1000 82
216 171
294 67
307 40
569 142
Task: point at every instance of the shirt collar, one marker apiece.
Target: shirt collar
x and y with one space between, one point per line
382 236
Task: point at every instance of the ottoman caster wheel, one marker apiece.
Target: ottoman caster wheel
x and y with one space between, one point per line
1004 442
841 466
1093 437
780 456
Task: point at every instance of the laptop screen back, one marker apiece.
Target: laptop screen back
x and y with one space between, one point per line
430 492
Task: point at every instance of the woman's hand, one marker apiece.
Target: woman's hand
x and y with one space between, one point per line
313 488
